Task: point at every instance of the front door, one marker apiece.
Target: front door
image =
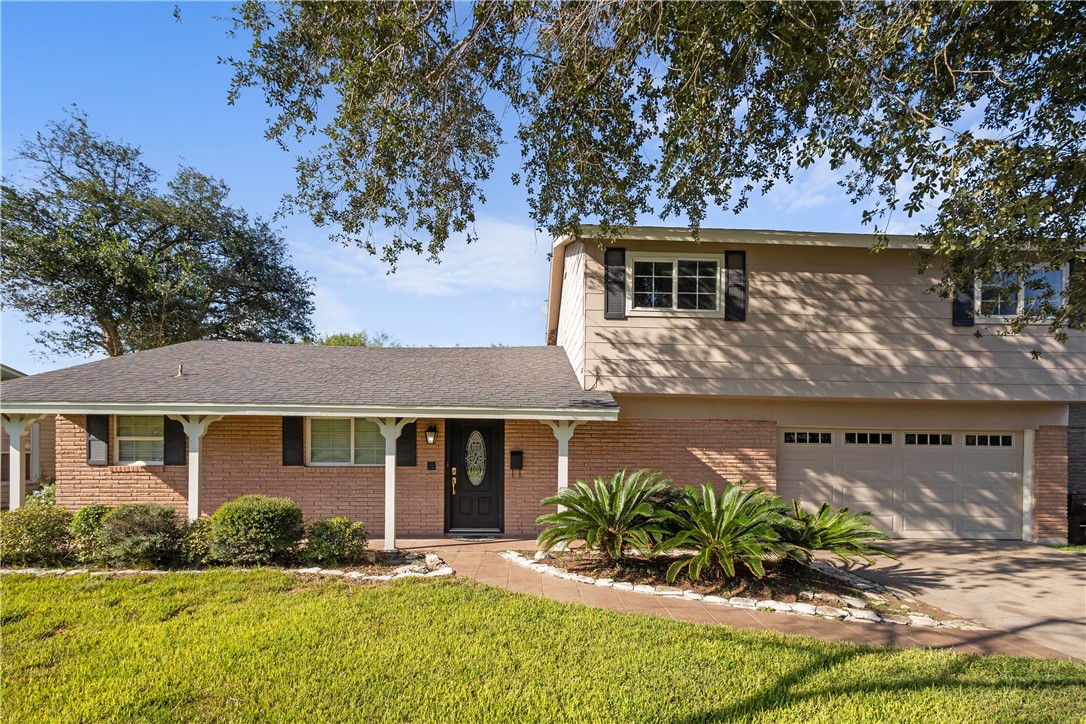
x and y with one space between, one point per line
474 454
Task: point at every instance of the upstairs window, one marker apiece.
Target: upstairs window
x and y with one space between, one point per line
140 439
669 284
1008 295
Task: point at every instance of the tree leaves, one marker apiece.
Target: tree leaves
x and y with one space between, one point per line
95 247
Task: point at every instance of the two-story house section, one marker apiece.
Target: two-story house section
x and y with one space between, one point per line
826 371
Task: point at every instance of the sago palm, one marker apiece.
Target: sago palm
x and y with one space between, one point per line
841 532
614 515
738 528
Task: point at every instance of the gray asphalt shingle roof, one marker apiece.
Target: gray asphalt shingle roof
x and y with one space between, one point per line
245 373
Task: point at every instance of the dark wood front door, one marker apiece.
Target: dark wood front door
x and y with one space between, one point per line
474 475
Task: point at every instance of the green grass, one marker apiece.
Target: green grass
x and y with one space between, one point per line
262 645
1079 549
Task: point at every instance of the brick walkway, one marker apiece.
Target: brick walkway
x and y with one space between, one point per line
482 562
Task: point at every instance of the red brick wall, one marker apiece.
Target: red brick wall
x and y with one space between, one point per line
243 455
1050 483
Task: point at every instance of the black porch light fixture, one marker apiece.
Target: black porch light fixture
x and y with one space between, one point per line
431 434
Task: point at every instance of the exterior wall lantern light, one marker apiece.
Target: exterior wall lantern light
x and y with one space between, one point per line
431 434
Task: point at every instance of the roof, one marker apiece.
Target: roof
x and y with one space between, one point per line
10 373
251 378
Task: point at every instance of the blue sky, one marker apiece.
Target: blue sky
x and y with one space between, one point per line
143 78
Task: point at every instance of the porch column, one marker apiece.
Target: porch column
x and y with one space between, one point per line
15 426
563 431
390 428
195 426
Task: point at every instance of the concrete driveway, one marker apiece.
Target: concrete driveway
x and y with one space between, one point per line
1035 592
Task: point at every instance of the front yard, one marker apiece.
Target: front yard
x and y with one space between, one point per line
264 645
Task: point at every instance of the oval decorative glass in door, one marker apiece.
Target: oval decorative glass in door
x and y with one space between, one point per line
475 457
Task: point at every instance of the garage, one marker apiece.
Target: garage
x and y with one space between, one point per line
917 483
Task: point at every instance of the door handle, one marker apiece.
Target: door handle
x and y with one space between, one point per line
454 481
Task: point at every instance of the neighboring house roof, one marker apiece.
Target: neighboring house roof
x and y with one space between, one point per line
10 373
250 378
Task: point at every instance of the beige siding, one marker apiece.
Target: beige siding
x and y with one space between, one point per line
832 322
571 318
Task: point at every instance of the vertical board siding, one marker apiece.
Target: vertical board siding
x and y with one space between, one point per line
571 319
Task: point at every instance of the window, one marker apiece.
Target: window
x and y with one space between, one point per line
794 437
140 439
345 441
985 440
941 439
1008 295
689 285
869 438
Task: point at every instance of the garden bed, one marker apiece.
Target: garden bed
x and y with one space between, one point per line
819 590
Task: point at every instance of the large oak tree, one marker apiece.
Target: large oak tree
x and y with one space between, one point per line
94 247
973 111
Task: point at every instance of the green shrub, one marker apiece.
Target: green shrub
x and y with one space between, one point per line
335 541
615 515
841 532
85 529
34 534
255 529
140 535
739 527
45 493
196 542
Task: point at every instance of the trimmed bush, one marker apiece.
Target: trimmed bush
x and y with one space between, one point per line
335 541
85 529
34 535
196 542
616 516
255 529
140 535
45 494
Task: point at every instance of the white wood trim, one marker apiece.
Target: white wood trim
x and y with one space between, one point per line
195 426
15 426
1027 484
632 311
563 431
158 408
391 429
309 449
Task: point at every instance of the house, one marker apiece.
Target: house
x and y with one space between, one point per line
37 449
799 361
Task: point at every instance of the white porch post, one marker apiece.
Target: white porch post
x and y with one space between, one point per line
195 426
15 426
390 428
563 431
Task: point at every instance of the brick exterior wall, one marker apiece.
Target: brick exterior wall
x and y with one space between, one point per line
244 455
1050 484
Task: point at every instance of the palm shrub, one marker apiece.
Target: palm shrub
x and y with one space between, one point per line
34 534
256 529
140 535
85 529
841 532
715 534
613 516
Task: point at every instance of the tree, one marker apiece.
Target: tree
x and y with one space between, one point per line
353 339
92 243
973 111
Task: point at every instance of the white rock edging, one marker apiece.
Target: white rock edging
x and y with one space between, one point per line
849 608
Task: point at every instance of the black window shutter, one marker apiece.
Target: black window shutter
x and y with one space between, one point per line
406 445
1074 268
964 303
97 439
173 434
614 284
735 286
293 441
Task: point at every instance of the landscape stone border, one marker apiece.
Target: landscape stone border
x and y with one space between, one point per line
850 608
431 566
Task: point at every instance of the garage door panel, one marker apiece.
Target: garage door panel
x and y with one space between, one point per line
913 491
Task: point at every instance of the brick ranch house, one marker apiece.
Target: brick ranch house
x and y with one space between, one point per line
799 361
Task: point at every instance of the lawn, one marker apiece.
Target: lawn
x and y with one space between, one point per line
263 645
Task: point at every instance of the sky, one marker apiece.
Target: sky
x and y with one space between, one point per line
150 81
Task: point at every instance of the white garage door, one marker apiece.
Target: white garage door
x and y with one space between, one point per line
918 484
